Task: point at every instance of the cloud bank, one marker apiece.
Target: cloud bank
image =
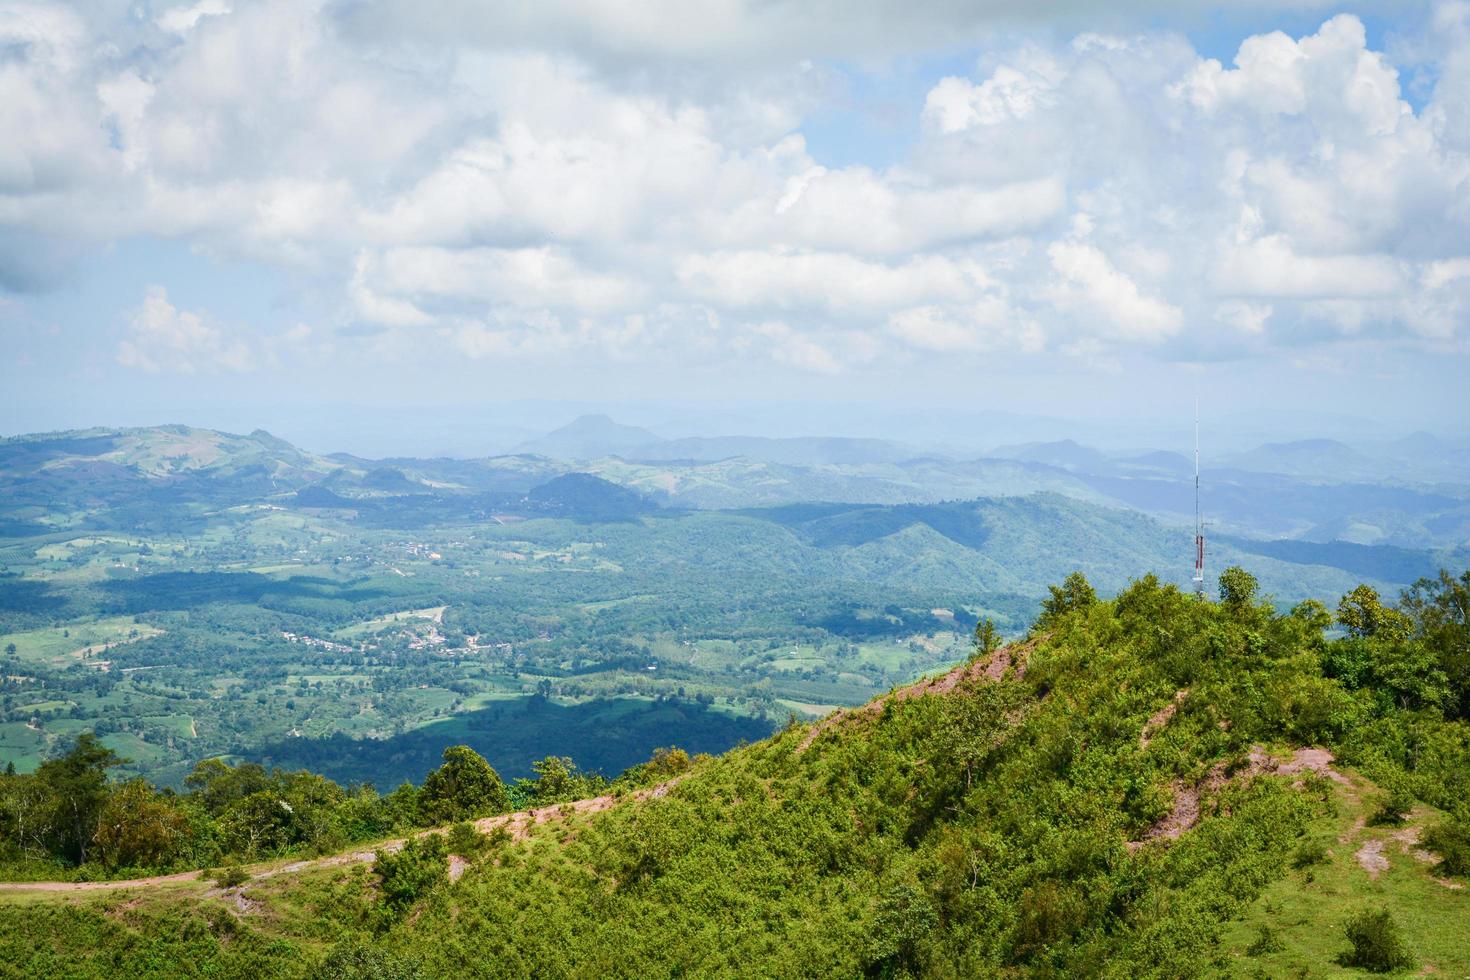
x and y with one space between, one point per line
571 177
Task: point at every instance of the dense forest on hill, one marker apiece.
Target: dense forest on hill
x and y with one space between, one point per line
1148 786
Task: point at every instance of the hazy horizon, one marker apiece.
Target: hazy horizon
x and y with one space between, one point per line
425 431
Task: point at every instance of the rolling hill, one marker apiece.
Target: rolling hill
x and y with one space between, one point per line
1153 786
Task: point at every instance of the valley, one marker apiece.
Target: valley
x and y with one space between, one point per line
189 594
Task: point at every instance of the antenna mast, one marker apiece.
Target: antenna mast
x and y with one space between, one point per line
1199 527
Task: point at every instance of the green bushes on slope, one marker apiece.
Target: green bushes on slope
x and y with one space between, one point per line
1103 811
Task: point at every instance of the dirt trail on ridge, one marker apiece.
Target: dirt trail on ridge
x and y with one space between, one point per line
518 824
992 668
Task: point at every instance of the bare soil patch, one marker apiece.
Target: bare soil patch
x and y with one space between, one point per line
1372 858
1160 718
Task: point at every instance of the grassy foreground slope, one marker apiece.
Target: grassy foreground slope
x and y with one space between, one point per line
1152 786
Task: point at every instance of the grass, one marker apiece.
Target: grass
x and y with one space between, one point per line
806 708
45 645
1307 911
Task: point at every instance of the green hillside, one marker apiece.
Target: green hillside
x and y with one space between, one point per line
1148 786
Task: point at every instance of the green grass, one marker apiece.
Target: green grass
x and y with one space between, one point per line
22 745
1307 910
45 645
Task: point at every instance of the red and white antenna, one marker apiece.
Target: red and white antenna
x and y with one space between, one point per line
1199 526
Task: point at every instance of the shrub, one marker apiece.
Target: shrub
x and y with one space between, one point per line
463 839
406 876
356 961
1390 812
1266 941
1451 841
1312 851
232 877
1377 944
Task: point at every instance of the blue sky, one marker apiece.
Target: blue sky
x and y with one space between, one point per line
364 227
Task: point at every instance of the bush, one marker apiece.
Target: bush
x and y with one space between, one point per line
1310 852
232 877
1266 942
408 875
1390 812
1377 943
355 961
1451 841
463 839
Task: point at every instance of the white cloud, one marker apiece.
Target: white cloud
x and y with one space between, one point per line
956 104
1270 267
519 277
1246 318
988 324
181 20
787 346
834 283
617 180
163 338
1090 286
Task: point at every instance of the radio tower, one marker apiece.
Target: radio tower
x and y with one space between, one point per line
1199 526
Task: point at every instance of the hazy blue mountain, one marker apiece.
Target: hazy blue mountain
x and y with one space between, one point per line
135 472
1064 453
807 451
590 437
1318 460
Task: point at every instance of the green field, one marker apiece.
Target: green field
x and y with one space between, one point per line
76 639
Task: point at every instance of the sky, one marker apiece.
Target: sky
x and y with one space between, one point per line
383 226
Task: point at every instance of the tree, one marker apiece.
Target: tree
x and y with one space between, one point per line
1365 616
464 786
217 784
406 876
1073 594
987 638
79 781
139 828
1237 588
28 812
1439 609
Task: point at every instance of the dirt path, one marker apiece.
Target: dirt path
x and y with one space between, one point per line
1185 811
992 669
87 886
519 825
1160 718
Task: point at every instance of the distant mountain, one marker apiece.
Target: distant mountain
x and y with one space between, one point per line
590 437
1318 460
134 473
145 467
1157 463
1065 454
808 451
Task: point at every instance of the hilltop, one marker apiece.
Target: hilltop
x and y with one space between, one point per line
1151 786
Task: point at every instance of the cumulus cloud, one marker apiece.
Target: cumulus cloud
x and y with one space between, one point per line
164 338
1090 285
535 183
